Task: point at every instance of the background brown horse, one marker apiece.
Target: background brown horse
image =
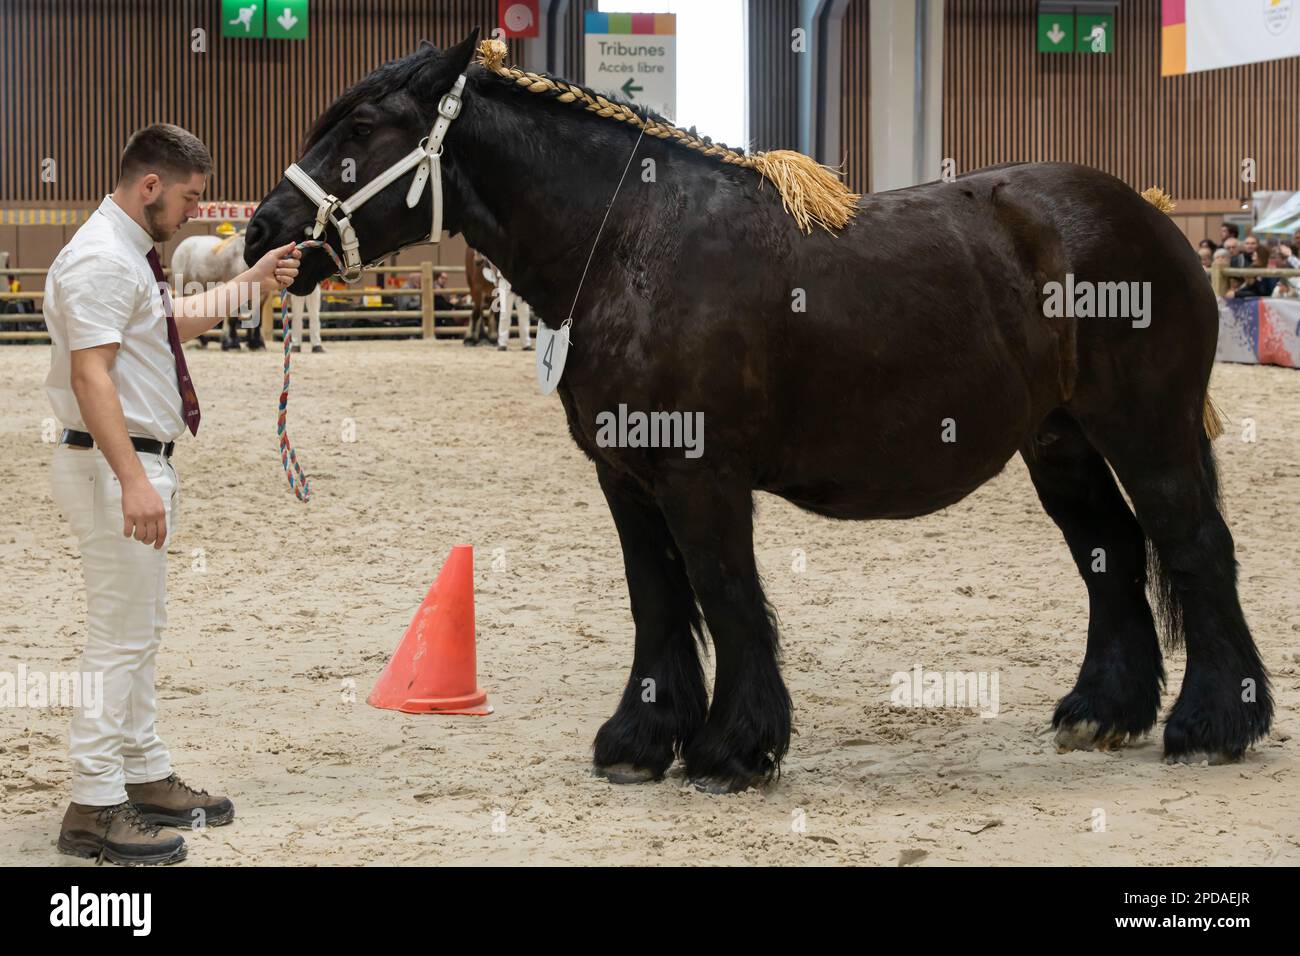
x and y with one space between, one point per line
482 328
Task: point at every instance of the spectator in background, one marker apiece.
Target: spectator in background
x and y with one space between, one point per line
1208 244
412 300
1249 245
1287 259
1207 258
1236 258
1222 258
1257 286
1227 230
441 300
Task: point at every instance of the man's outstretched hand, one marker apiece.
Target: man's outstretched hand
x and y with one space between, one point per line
279 267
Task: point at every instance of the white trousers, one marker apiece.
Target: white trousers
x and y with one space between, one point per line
126 611
524 310
311 302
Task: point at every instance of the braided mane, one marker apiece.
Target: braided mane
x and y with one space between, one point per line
810 192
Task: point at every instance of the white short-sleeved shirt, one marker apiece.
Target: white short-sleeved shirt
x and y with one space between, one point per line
101 289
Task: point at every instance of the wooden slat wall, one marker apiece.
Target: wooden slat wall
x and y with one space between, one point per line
574 47
1004 102
855 96
773 76
79 76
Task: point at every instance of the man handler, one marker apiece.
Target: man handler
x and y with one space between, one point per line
118 384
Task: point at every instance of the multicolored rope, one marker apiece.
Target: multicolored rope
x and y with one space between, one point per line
298 483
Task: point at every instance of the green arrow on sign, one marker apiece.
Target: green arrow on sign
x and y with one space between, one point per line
1055 32
286 19
628 89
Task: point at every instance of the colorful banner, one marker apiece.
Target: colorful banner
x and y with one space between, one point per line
1259 332
1200 35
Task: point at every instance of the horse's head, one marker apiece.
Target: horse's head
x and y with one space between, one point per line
365 181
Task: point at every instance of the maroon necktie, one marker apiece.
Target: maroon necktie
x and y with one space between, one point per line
189 400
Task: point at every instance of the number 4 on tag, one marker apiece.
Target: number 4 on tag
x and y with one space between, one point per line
552 350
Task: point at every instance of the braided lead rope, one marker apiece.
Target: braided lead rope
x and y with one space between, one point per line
298 483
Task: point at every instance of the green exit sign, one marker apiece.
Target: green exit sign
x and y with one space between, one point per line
242 18
274 19
1095 32
1056 33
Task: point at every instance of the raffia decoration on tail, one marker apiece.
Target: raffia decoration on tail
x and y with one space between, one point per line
1212 418
810 192
1159 198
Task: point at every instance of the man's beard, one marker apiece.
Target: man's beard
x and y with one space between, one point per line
152 214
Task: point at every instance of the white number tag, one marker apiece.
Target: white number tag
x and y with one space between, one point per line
552 350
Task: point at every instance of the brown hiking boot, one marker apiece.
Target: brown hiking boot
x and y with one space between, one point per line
117 834
172 803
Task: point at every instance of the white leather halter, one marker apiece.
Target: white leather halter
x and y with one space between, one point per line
426 159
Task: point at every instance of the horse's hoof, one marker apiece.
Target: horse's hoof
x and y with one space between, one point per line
1083 735
1216 758
721 785
625 773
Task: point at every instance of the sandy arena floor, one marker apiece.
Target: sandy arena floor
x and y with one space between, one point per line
456 446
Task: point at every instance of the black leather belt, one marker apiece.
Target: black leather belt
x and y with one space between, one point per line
151 446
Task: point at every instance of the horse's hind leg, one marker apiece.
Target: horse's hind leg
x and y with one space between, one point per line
665 701
1117 694
1169 473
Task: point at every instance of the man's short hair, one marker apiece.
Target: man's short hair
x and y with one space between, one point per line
1232 228
171 152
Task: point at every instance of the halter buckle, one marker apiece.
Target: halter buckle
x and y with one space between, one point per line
449 106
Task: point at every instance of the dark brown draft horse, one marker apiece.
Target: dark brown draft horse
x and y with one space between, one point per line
823 378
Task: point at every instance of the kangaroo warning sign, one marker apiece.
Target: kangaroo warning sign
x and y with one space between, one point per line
634 56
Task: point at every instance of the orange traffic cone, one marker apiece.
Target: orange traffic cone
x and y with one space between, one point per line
433 670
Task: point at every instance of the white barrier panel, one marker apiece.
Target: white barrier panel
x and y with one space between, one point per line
1259 332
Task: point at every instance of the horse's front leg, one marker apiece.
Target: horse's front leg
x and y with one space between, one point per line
748 728
664 702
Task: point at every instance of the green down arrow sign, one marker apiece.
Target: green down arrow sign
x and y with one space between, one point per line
1056 33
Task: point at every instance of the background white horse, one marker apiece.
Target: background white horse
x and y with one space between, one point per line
211 259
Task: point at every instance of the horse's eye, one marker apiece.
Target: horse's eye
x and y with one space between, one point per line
361 130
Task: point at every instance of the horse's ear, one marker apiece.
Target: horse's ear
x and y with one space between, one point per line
437 73
424 43
459 56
